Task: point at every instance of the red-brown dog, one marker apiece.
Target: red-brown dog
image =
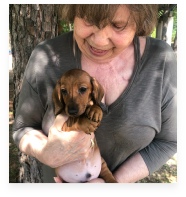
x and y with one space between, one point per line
78 95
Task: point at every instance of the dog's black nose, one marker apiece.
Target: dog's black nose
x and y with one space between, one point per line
72 111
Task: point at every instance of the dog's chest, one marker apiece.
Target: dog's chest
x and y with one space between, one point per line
82 170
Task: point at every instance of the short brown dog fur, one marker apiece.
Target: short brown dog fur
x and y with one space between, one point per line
78 95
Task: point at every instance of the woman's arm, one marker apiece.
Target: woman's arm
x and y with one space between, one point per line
58 148
132 170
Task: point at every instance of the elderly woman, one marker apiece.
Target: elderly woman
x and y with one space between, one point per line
137 134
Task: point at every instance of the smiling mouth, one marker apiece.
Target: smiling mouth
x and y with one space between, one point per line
97 52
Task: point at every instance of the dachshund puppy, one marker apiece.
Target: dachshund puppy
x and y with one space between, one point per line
78 95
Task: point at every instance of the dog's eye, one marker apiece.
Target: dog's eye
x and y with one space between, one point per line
64 92
82 90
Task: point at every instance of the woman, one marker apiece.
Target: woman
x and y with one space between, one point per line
138 132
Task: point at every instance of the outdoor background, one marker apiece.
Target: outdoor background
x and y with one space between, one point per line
26 31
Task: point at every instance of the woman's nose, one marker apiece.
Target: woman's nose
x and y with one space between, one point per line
101 37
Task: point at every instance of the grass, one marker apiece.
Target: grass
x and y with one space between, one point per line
166 174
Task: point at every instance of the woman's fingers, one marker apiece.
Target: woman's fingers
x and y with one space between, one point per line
58 180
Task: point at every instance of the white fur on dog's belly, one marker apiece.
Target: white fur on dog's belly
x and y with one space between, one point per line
77 172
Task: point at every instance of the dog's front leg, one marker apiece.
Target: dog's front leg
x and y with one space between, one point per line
70 124
94 113
81 123
106 174
86 125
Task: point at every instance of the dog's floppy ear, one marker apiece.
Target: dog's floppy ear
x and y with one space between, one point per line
97 91
57 99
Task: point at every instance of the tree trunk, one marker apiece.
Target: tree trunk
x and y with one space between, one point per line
175 43
165 22
29 24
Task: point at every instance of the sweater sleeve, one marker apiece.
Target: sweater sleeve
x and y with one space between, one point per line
48 61
164 145
30 110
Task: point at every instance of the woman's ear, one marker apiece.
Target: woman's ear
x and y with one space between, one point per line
57 99
97 91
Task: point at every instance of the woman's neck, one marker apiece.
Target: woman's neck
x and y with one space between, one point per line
114 75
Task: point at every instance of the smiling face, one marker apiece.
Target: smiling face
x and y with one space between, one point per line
103 44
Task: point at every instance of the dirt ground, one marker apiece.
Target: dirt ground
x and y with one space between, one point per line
167 174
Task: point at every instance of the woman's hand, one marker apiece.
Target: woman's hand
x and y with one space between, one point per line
65 147
97 180
59 147
57 180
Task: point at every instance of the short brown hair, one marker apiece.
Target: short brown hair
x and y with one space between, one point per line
144 15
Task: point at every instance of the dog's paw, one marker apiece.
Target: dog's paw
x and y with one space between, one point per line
87 125
94 113
90 126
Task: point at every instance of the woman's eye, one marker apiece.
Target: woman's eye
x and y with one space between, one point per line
119 27
64 91
82 90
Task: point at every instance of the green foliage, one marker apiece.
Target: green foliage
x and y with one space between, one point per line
174 24
174 31
153 34
66 27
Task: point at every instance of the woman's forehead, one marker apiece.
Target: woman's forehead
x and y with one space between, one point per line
121 15
102 15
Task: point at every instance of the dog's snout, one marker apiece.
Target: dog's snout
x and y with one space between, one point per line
72 110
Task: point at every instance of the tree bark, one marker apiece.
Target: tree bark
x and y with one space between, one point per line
175 43
166 21
29 24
